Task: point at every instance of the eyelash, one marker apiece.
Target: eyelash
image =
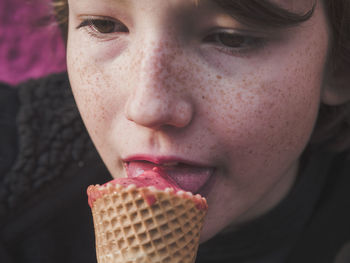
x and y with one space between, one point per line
92 24
247 43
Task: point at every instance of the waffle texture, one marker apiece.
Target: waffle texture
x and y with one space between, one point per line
130 229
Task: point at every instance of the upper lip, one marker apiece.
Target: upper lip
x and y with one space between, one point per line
164 160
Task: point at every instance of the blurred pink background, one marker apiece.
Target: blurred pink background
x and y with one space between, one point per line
31 45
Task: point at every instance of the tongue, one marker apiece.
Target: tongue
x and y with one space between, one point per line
189 178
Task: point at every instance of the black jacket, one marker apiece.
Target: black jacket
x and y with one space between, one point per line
47 161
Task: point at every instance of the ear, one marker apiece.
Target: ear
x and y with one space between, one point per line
336 88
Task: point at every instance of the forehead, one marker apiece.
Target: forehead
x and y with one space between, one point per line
266 14
290 5
244 7
281 3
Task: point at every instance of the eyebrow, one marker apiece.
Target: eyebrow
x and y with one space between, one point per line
262 13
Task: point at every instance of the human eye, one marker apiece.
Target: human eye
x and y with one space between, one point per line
233 42
102 27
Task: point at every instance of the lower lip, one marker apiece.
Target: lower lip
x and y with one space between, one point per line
190 178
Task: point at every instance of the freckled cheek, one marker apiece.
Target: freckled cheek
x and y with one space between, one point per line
265 117
94 92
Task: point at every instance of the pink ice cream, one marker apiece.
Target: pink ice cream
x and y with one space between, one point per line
155 177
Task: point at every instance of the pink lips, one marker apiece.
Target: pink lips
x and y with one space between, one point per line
189 177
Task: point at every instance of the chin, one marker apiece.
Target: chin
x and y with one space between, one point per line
207 233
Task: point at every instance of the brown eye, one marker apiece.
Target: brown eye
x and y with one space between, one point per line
232 40
104 26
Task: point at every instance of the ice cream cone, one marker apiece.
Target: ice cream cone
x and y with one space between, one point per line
146 225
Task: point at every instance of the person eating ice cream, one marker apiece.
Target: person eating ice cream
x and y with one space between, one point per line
243 102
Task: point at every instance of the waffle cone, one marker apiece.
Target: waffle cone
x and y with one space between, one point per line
128 229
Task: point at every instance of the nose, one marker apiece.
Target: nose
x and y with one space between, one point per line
159 96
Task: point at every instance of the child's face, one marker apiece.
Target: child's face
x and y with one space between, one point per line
173 82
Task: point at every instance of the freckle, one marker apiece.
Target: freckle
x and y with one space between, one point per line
218 77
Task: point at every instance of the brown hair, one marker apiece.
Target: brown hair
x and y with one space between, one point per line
333 125
60 9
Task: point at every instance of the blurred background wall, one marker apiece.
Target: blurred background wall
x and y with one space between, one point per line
31 45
